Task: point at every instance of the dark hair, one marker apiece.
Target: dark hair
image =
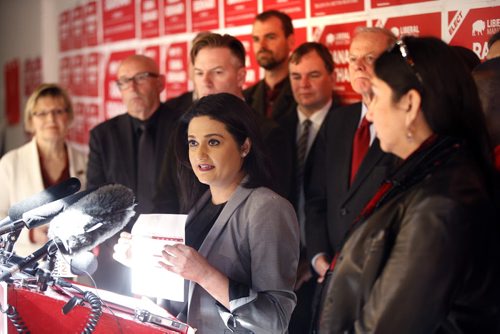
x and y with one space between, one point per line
469 57
286 21
213 40
320 49
495 37
240 121
450 102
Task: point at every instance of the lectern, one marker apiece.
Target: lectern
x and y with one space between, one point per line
41 313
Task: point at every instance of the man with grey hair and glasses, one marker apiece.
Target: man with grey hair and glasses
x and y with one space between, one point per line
129 149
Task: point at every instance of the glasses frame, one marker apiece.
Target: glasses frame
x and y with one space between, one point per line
124 83
45 113
403 51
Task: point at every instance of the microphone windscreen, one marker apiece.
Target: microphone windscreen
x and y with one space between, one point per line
94 218
43 214
84 263
53 193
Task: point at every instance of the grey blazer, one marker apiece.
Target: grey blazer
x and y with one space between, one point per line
255 242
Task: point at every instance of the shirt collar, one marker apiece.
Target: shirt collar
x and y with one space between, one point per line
316 118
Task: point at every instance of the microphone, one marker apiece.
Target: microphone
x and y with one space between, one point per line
94 218
43 214
53 193
83 263
85 224
75 265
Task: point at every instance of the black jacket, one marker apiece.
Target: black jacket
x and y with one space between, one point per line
425 260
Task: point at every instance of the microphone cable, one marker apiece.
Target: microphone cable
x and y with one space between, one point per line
16 319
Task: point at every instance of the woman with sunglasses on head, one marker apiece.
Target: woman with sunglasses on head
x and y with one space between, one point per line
421 256
44 161
242 239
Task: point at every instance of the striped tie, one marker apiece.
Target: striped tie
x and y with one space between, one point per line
301 153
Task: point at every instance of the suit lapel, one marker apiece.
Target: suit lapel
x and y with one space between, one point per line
344 126
125 148
234 202
368 165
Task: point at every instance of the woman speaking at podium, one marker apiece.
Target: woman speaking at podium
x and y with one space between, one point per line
242 239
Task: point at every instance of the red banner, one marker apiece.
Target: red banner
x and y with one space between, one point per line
65 74
296 9
204 15
118 20
414 25
175 21
65 42
77 132
77 22
76 64
112 97
176 69
472 28
150 18
91 77
252 67
91 119
91 24
385 3
338 39
239 12
12 92
329 7
32 75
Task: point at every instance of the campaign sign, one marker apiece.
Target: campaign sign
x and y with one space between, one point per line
472 28
174 17
337 39
118 20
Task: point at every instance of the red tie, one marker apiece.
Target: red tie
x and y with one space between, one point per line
360 146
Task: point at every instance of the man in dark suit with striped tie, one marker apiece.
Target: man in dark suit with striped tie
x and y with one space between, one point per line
312 79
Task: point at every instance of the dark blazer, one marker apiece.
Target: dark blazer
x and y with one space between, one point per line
331 204
256 95
112 160
289 123
112 153
425 261
180 103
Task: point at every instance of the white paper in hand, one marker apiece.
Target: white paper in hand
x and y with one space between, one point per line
149 235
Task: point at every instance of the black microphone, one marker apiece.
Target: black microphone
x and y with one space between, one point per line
43 214
85 224
53 193
94 218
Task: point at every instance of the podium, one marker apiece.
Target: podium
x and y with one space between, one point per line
42 313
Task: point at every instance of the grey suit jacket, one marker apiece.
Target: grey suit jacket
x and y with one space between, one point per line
255 243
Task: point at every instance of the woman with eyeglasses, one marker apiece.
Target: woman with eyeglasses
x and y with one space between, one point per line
422 256
44 161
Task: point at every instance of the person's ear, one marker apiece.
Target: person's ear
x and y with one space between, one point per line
241 76
413 103
161 83
291 42
245 147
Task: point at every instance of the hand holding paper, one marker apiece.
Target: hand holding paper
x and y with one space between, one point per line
149 236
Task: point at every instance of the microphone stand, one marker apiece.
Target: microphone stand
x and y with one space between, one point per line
11 239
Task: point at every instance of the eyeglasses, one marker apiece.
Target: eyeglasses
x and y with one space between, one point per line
139 78
403 51
45 113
